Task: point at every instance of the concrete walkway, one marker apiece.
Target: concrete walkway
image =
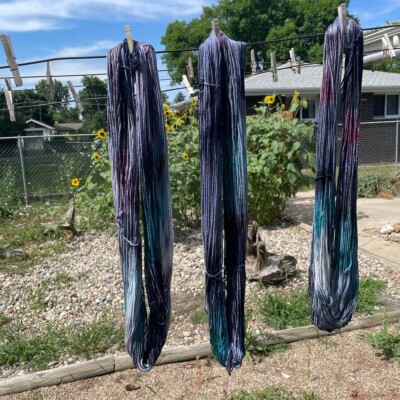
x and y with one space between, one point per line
373 214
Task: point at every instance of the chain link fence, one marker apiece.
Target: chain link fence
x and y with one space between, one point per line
42 166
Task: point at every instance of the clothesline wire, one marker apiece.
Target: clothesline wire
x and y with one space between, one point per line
263 42
72 101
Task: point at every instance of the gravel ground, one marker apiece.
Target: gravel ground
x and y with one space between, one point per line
332 367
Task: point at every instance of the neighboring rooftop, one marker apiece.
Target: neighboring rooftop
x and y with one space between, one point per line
310 79
68 126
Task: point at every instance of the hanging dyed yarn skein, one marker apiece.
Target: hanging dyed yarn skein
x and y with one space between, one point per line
333 273
140 177
223 170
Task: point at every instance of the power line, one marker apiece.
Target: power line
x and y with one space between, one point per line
264 42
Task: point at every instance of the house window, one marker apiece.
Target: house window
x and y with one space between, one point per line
392 105
311 111
386 105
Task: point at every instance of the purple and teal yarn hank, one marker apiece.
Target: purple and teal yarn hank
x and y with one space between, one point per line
140 177
333 273
223 170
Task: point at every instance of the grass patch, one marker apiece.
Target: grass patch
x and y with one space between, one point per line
388 343
368 294
294 309
17 347
4 320
25 228
274 393
282 311
199 316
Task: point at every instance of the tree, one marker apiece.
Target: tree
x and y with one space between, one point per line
179 97
164 98
93 98
251 21
58 92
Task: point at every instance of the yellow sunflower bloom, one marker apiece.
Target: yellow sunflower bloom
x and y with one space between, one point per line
269 99
296 93
194 102
185 156
165 106
282 107
96 156
101 134
179 121
194 123
75 182
167 128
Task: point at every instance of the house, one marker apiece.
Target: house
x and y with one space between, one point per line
380 105
380 91
37 128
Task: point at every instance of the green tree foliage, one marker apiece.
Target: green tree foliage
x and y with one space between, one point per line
304 17
164 98
58 93
179 97
250 21
94 103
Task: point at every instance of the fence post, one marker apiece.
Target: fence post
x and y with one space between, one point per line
21 156
396 170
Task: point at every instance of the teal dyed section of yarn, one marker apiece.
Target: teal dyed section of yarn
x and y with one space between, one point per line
223 168
333 273
140 177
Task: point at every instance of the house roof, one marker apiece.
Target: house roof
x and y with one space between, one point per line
310 79
39 123
69 126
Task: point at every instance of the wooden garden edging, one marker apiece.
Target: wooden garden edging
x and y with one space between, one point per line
108 364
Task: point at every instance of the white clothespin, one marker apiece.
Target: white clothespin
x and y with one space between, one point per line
292 61
10 105
189 88
129 38
253 62
6 41
48 74
387 45
75 96
215 28
190 69
274 68
342 12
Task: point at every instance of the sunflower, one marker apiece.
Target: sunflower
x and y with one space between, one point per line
179 121
165 106
101 134
194 123
194 102
167 128
296 93
185 156
282 107
75 182
269 99
96 156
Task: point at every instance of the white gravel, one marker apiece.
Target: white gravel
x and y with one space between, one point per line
92 263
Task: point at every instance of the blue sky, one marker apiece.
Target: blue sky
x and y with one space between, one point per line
51 28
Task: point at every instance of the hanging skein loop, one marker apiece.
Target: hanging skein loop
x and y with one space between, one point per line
223 168
333 274
140 177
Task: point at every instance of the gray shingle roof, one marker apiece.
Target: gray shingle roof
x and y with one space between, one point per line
310 79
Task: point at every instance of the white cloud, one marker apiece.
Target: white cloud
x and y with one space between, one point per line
30 15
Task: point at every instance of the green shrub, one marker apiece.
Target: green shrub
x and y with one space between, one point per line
94 199
371 184
278 146
388 343
184 164
368 294
8 192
